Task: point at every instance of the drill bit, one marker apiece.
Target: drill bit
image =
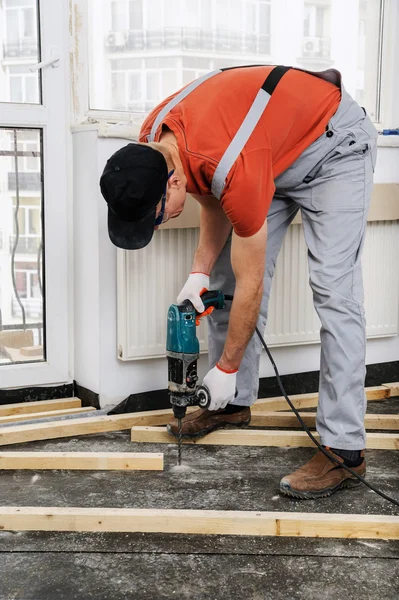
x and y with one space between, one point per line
179 446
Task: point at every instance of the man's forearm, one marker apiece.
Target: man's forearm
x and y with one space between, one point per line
214 231
243 318
248 256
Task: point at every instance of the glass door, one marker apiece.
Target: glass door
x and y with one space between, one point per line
33 193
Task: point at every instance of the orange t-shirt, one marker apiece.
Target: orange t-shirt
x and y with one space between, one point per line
206 121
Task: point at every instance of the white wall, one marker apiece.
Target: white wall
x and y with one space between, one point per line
96 364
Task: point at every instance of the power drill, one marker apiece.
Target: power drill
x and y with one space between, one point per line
182 351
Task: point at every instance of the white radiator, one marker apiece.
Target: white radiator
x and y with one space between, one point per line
150 279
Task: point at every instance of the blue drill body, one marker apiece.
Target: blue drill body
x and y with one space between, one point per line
183 350
181 330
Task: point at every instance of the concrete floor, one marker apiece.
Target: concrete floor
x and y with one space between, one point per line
65 566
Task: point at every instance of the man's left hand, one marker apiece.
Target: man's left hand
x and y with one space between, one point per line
222 387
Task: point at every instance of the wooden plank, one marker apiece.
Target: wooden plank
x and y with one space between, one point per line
256 437
162 417
283 419
39 406
393 388
201 522
157 417
44 415
83 461
32 351
280 403
378 392
265 418
16 338
15 355
16 434
300 401
311 400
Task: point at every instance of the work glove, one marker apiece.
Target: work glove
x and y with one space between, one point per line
196 284
221 385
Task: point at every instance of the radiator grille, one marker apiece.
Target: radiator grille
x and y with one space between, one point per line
150 279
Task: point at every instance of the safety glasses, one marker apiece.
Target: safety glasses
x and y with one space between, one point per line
160 218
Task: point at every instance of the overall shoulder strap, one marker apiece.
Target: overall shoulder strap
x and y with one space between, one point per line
178 98
246 128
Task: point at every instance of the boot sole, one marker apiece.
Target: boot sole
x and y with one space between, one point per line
204 432
314 495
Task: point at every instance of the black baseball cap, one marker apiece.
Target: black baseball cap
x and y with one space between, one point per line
132 183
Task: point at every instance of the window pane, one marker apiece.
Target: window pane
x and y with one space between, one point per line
206 14
250 15
169 83
320 34
16 3
134 87
152 86
16 89
188 76
136 14
172 10
21 252
21 283
19 22
264 18
118 15
154 15
190 13
119 91
31 91
29 23
32 163
12 26
34 221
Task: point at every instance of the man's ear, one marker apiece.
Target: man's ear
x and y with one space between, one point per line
175 181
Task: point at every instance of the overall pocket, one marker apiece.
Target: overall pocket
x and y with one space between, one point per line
339 184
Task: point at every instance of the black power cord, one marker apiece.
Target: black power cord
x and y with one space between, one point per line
310 434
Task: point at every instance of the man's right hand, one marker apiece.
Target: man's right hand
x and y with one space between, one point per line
196 284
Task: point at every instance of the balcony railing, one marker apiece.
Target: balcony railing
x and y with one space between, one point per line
25 244
28 182
24 48
316 47
33 307
186 38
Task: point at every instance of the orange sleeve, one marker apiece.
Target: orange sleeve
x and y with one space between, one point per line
249 191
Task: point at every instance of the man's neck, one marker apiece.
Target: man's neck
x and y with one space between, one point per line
169 139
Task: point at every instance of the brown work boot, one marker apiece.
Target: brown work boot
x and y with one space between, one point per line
203 421
320 477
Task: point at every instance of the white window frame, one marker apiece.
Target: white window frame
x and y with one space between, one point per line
387 76
51 116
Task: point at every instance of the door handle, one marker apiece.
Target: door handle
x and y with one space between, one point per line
54 61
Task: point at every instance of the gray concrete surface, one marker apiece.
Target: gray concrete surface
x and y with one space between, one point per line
65 566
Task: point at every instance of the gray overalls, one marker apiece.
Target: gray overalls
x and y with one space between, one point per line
331 184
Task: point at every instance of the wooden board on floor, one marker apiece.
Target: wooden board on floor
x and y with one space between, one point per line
200 522
162 417
283 419
311 400
157 417
83 461
18 434
393 388
46 414
257 437
39 406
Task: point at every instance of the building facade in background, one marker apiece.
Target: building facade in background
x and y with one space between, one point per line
144 50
